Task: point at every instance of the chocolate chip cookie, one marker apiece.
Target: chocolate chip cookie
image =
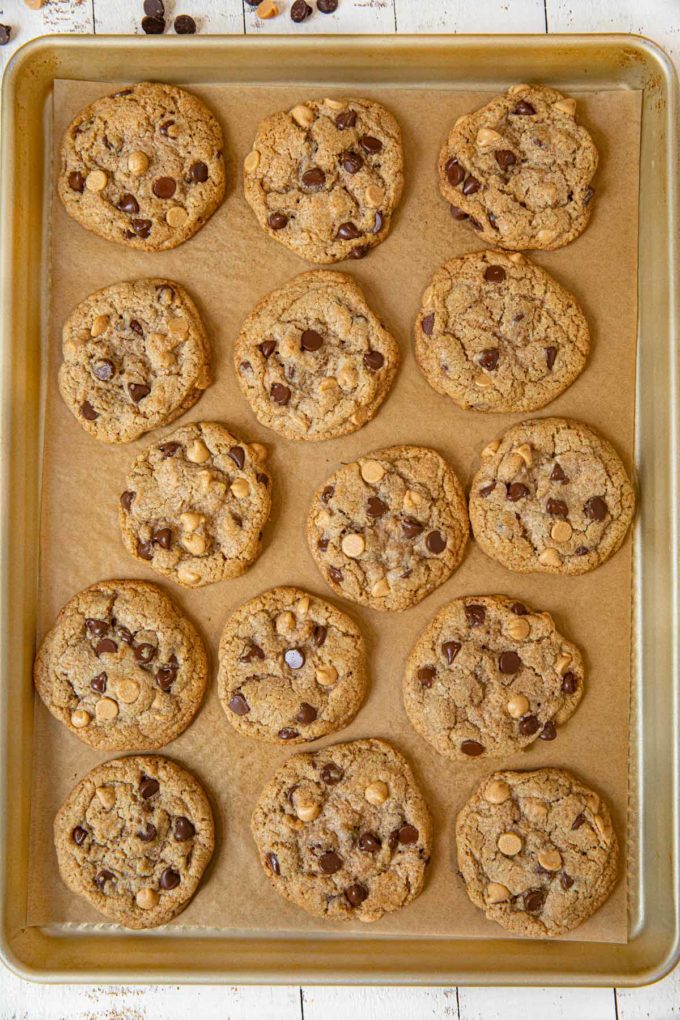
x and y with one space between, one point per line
312 359
325 177
389 528
143 167
551 496
136 356
497 333
195 504
292 667
537 851
518 170
122 667
489 676
134 838
345 832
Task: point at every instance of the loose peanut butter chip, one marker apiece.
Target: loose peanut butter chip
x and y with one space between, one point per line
518 628
197 452
326 675
496 893
561 531
285 623
106 795
240 488
307 810
147 899
106 709
517 706
497 792
550 859
353 545
100 325
376 793
176 216
487 136
509 843
96 180
267 9
302 115
251 162
80 718
127 691
138 163
550 558
372 471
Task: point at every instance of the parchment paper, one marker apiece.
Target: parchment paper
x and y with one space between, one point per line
227 267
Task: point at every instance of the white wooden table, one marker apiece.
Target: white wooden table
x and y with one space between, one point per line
19 1000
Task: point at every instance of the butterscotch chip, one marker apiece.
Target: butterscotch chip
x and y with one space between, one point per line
551 860
353 545
198 452
100 324
195 544
381 588
303 115
307 810
518 628
127 691
509 843
177 216
487 136
326 675
518 706
147 898
80 719
240 488
496 893
96 180
496 792
550 558
377 792
138 162
561 531
267 9
251 162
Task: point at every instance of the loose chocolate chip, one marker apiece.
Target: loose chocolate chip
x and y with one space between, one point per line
528 725
148 787
370 144
569 682
273 863
548 732
98 683
138 391
154 8
239 705
330 862
102 877
454 172
426 675
163 538
314 178
145 549
377 223
348 232
557 474
307 714
595 509
408 834
550 355
327 493
486 490
331 774
509 662
267 348
534 900
277 220
588 195
472 748
163 187
475 614
356 894
427 324
435 542
167 674
311 340
450 650
300 11
471 185
238 455
327 6
147 834
88 412
79 835
369 842
104 370
557 508
105 646
518 609
279 393
489 358
373 360
142 228
169 879
96 628
411 528
128 204
376 507
198 172
458 214
516 491
295 658
76 181
359 252
184 829
184 24
351 162
153 26
346 119
524 109
136 327
494 274
505 158
144 653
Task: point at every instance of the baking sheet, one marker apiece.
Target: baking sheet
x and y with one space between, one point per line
227 267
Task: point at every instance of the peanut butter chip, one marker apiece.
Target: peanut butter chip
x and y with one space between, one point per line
127 691
307 810
96 180
550 557
353 545
179 327
100 325
381 588
550 859
509 844
147 899
302 115
302 606
490 449
483 381
176 216
80 718
106 709
106 795
251 162
138 163
518 628
487 136
240 488
497 792
496 893
525 453
285 623
190 520
334 104
197 452
567 106
377 792
561 531
374 195
187 576
194 544
563 662
326 675
372 471
518 706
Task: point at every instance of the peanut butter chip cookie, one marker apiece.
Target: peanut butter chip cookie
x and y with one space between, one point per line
195 505
518 170
551 496
136 356
497 333
325 177
313 361
134 838
345 832
389 528
143 167
489 676
292 667
537 851
122 667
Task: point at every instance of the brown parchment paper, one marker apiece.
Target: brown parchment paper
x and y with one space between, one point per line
227 267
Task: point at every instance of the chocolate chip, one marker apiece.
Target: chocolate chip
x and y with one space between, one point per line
294 657
458 214
486 490
154 8
123 633
516 491
102 877
148 787
369 842
104 370
471 186
311 340
518 609
314 178
370 144
199 172
356 894
566 881
142 228
427 324
184 829
373 360
105 646
450 650
494 274
307 714
319 634
262 478
376 507
348 232
167 674
435 542
330 862
128 204
96 628
351 162
472 748
88 412
322 544
148 833
273 863
588 195
138 391
489 358
300 11
509 662
550 355
595 509
377 223
534 900
475 614
136 327
277 220
578 822
335 574
163 538
327 493
145 549
163 187
239 705
359 252
76 181
144 653
238 455
454 172
79 835
411 528
346 119
492 220
184 24
581 551
524 109
557 508
408 835
548 732
557 474
169 879
505 158
279 393
98 683
426 675
331 774
528 725
267 348
153 26
569 682
393 841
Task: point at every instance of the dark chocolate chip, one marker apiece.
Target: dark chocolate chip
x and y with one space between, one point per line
307 714
79 835
279 393
524 109
277 220
163 538
311 340
184 24
494 274
144 653
300 11
486 490
145 549
331 774
322 544
238 455
148 833
136 327
346 119
335 574
142 228
595 509
148 787
569 682
88 412
450 650
351 162
138 391
566 881
359 252
505 158
287 734
411 528
471 185
370 144
489 358
427 324
127 203
319 635
516 491
184 829
408 834
557 508
458 214
153 26
104 370
95 628
314 177
588 195
169 879
472 748
262 478
102 877
534 900
165 127
374 360
105 646
454 172
528 725
548 732
435 542
377 223
239 705
267 348
578 822
294 657
76 181
509 662
550 355
475 614
369 842
98 683
376 507
273 863
167 674
518 609
163 187
557 474
426 675
330 862
348 231
198 172
356 894
327 493
581 551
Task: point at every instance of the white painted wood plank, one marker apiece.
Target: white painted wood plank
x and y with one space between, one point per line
657 19
470 15
212 17
657 1002
55 16
546 1003
356 17
381 1004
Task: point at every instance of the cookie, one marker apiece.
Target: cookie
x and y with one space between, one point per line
497 333
312 359
537 851
325 177
292 667
136 356
122 667
143 167
134 838
551 496
518 170
345 832
489 676
389 528
195 504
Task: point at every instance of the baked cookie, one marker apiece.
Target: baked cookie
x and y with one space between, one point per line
489 676
312 359
519 170
325 177
134 838
122 667
497 333
143 167
537 851
551 496
389 528
292 667
195 505
136 356
345 832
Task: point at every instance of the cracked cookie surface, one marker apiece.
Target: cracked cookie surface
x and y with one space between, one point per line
324 178
551 496
489 676
122 667
136 356
537 851
134 838
143 167
518 170
389 528
292 667
312 359
195 504
344 832
497 333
